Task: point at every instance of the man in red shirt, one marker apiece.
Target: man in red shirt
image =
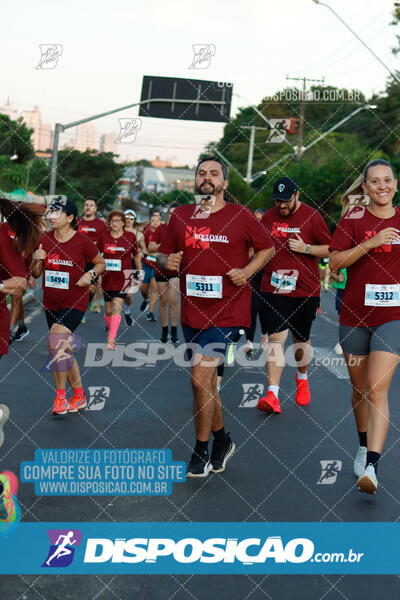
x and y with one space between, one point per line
291 284
94 228
209 245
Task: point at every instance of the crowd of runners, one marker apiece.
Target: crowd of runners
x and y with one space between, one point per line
216 267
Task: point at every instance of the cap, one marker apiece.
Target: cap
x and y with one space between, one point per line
65 205
129 212
284 189
260 210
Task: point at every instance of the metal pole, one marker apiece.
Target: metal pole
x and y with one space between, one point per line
53 176
28 170
359 39
251 152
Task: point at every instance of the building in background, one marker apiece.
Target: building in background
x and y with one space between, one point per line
87 137
108 143
164 164
41 135
152 180
9 110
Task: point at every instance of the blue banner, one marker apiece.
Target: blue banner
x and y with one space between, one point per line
213 548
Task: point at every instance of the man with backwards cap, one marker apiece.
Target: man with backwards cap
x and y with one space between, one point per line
291 285
62 257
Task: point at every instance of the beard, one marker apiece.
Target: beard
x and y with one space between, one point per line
215 189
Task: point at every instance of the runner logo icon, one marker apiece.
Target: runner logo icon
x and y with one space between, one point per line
98 396
330 470
63 543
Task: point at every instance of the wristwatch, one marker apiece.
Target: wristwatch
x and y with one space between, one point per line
308 249
95 277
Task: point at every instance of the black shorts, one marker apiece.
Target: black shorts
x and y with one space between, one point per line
109 295
69 317
285 312
163 279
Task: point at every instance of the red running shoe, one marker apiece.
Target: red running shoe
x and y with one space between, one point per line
303 395
77 402
269 403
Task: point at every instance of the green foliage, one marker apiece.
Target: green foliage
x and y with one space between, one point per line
88 173
15 138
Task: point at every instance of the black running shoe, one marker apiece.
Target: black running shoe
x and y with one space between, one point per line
21 332
144 305
220 453
199 465
150 317
174 340
128 319
164 338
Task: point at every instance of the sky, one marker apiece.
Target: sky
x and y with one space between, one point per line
108 47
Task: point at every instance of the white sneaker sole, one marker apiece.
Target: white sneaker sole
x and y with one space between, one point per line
227 457
207 470
367 485
22 336
4 418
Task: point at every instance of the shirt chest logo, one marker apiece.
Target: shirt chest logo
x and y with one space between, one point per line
380 249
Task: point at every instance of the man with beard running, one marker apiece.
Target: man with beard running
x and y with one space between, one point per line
208 244
291 286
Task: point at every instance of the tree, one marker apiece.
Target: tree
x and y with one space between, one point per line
15 138
87 173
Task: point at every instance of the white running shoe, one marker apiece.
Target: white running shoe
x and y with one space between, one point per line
368 483
338 349
360 461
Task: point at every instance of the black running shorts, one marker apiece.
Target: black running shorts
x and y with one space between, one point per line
285 312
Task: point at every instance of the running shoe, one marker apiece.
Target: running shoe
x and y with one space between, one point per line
174 340
128 319
77 402
199 465
360 461
21 332
221 453
111 344
164 338
60 406
338 349
4 414
248 349
303 395
8 489
144 305
83 322
230 359
150 316
368 482
269 403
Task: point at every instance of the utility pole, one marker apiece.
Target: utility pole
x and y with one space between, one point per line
251 149
302 109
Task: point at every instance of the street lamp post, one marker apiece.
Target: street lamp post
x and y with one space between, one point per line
359 39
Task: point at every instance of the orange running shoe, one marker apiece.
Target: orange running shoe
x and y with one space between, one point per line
8 489
77 402
60 406
303 395
269 403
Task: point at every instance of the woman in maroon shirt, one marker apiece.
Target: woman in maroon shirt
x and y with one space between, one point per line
118 248
61 259
367 242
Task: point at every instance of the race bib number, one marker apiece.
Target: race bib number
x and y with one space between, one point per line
113 264
382 295
57 279
204 286
283 282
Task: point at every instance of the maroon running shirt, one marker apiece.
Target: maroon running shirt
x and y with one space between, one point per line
11 265
211 247
64 265
28 259
158 237
117 253
148 234
94 229
364 304
302 268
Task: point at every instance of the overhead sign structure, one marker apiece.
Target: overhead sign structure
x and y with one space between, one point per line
186 99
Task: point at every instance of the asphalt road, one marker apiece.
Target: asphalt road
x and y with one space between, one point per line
274 475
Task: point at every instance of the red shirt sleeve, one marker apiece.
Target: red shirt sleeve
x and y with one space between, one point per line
343 237
257 234
11 263
321 231
169 243
91 249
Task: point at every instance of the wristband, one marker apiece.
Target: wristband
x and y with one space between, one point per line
1 286
95 277
308 249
